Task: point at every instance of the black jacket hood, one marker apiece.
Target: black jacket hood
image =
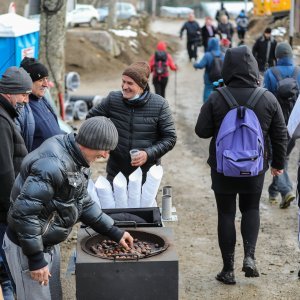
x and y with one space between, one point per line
240 68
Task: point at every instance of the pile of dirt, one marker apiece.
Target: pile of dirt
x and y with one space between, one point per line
86 58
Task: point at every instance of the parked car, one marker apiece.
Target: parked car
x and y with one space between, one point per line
83 14
124 11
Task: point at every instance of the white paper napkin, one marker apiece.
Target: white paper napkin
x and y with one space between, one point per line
105 193
151 186
120 191
135 188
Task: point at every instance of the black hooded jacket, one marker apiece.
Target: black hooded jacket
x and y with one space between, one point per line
240 74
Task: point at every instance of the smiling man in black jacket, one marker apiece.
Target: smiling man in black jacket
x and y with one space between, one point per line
240 73
143 120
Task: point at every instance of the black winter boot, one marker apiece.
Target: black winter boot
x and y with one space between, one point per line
227 274
249 267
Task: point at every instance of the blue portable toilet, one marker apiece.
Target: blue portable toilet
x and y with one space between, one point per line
19 37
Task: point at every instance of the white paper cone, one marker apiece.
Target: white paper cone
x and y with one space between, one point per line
135 188
105 193
92 192
151 186
120 191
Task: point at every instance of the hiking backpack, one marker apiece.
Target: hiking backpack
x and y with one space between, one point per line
240 141
242 22
160 63
287 91
214 73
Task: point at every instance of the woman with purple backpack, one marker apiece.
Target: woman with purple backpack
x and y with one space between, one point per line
229 179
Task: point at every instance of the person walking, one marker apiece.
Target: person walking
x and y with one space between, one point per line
207 31
159 63
242 26
241 77
37 120
284 76
15 86
207 62
48 198
264 50
225 28
143 120
193 32
222 12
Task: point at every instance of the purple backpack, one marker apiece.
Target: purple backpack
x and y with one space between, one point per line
240 142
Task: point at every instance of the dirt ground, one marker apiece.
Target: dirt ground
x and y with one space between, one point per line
185 168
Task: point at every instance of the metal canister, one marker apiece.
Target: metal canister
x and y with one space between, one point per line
166 210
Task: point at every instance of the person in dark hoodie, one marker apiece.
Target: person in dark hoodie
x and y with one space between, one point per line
143 120
241 76
206 62
159 63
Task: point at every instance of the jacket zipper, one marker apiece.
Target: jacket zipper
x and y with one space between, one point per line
50 220
131 128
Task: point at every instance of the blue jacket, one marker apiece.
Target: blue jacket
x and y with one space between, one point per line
207 59
286 68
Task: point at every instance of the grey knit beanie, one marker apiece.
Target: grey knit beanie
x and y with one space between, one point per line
98 133
283 50
15 81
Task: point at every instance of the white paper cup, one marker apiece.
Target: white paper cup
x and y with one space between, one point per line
134 153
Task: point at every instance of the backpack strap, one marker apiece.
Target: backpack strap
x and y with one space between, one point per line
224 91
276 73
258 92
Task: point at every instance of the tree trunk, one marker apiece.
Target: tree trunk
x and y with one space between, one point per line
112 17
52 44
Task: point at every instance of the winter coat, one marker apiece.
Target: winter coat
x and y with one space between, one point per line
207 59
226 29
286 68
240 74
259 51
193 31
161 46
145 123
32 133
12 152
50 196
206 36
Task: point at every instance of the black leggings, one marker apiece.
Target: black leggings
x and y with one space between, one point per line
249 207
160 85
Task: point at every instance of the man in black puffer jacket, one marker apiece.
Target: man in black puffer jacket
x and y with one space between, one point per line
143 120
50 196
240 73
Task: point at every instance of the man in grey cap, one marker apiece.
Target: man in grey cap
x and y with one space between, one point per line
15 86
283 81
49 197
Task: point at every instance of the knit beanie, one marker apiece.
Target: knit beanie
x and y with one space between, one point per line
283 50
139 71
35 69
15 81
98 133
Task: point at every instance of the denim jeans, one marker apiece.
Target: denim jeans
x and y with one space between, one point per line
7 284
281 183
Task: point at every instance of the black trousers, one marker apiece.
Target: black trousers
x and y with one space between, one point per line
160 85
249 207
192 49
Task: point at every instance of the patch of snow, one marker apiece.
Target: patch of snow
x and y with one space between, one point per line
124 33
144 33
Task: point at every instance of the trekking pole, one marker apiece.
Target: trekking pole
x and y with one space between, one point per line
175 94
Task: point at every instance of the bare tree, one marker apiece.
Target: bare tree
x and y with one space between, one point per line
112 17
52 44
